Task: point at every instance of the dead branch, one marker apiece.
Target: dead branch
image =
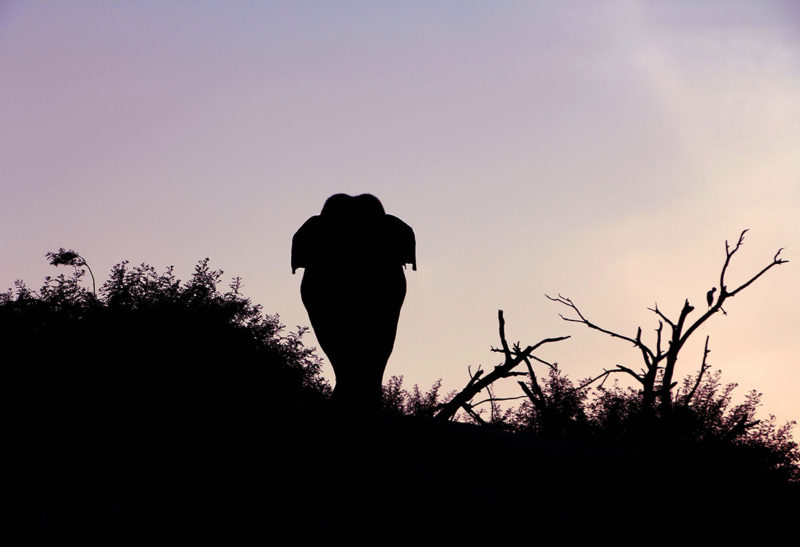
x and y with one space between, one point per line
724 293
775 262
516 351
475 416
626 370
661 315
606 373
728 255
703 368
477 383
490 399
529 393
567 302
658 338
502 326
534 393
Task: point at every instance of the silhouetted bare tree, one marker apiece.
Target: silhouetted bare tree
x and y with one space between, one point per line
656 378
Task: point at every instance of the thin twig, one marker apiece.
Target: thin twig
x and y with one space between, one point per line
703 368
484 401
567 302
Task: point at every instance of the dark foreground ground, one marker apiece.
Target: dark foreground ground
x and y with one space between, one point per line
385 480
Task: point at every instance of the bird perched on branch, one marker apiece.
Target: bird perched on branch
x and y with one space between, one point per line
710 296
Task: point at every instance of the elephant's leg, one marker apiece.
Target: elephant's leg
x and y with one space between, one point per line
375 316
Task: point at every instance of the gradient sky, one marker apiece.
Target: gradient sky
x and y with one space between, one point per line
603 150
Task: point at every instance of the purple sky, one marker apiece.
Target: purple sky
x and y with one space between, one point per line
539 147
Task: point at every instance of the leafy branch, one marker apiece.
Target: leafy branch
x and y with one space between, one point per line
68 257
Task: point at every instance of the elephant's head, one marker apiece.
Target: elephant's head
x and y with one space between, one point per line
353 228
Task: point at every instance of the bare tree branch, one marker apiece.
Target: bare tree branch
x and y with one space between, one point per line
728 255
515 352
621 368
502 327
703 368
529 393
775 262
475 385
661 315
605 374
535 387
468 409
724 294
490 399
658 338
567 302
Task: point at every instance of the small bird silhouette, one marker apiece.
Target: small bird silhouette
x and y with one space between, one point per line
710 296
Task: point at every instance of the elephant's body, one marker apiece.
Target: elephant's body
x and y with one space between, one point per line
353 289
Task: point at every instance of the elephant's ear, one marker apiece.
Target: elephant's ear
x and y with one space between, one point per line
305 243
401 238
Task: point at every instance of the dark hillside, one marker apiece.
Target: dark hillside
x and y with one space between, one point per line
167 407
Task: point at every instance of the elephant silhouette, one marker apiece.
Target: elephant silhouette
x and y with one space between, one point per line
354 284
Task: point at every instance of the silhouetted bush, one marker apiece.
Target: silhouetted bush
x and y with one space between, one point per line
709 423
152 398
148 330
563 413
398 401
